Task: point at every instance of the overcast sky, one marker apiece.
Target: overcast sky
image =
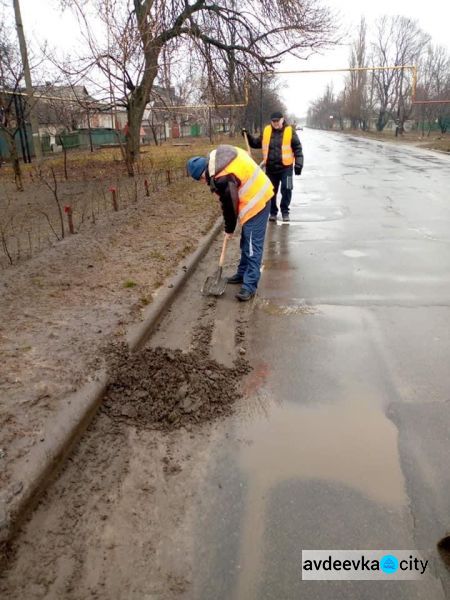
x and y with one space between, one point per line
44 21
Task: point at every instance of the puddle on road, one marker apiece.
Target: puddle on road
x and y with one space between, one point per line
333 215
425 233
353 253
351 443
279 264
272 308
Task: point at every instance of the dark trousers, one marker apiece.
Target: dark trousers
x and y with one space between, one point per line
252 247
286 180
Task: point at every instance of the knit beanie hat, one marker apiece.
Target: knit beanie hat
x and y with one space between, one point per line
196 166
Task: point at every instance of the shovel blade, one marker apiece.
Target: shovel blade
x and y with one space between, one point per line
214 285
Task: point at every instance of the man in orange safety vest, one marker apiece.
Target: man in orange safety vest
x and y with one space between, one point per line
244 192
282 150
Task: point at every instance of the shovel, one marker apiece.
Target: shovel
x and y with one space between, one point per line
215 284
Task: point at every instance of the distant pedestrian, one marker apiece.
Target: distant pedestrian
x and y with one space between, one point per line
282 150
244 192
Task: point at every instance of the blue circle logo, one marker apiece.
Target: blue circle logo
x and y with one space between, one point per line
389 564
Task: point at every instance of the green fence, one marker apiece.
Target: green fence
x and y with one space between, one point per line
104 137
195 130
81 138
68 140
433 126
75 139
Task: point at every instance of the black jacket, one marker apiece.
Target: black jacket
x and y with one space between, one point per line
226 187
274 160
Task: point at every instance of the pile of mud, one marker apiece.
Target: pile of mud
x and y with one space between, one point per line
167 389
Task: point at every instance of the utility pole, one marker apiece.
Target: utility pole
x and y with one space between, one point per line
261 77
28 84
210 125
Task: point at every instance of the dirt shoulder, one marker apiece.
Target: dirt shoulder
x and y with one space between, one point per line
62 307
440 142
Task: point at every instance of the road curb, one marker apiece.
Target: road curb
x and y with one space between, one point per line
139 332
34 472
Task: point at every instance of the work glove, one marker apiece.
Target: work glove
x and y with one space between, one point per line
298 169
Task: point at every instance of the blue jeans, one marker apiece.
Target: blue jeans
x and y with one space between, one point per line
286 180
252 247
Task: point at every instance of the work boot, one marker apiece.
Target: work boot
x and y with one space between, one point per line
236 278
286 218
273 218
243 295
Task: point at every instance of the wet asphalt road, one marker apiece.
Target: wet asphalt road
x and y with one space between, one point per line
343 442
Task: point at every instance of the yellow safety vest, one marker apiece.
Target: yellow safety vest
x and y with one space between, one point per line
255 189
287 156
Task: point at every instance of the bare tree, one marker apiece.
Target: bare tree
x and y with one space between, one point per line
399 41
355 100
266 100
433 86
66 116
326 110
250 37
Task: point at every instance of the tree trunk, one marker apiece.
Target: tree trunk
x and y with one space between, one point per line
135 111
28 84
210 126
15 163
381 121
66 176
155 137
232 121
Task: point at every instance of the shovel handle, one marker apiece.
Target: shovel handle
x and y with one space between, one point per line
224 247
247 144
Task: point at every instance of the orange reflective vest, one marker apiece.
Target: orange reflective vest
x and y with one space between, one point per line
287 156
255 189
